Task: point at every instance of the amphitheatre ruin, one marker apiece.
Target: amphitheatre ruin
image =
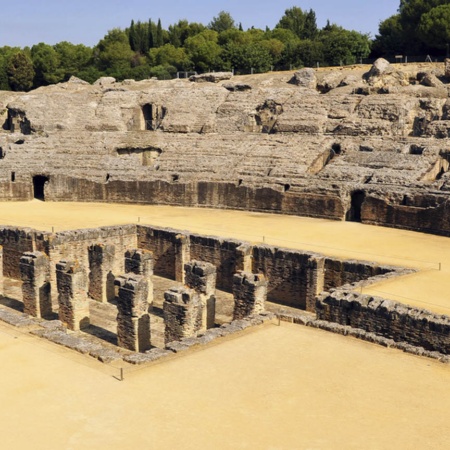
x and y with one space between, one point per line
144 221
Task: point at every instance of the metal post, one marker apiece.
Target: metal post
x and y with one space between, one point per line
121 374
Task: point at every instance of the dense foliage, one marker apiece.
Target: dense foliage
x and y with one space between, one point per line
421 27
146 49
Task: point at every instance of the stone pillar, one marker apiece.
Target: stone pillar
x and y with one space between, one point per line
315 281
244 257
182 255
1 270
36 287
182 314
250 293
140 262
133 320
101 277
201 276
72 284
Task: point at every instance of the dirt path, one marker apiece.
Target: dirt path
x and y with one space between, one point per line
427 289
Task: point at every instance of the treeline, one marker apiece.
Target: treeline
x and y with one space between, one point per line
146 49
421 27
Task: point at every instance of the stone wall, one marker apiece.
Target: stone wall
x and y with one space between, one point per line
339 272
392 320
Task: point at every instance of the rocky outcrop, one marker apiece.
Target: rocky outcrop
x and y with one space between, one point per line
305 78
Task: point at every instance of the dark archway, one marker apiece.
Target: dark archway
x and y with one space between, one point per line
147 111
39 186
357 200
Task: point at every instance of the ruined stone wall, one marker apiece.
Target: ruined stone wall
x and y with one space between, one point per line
73 245
339 272
15 242
221 253
162 242
288 273
387 318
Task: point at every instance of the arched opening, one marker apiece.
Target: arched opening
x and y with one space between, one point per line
357 200
39 182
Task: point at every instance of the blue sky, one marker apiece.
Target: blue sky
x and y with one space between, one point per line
28 22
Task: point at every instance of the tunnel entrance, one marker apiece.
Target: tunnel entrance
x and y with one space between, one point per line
39 182
354 213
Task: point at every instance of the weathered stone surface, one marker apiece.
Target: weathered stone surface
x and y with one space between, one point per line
133 320
250 294
305 78
104 81
213 77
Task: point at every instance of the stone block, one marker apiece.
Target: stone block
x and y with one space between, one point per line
250 294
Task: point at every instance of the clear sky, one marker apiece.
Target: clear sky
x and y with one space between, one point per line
28 22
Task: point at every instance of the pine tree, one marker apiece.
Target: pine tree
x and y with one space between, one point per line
151 34
159 42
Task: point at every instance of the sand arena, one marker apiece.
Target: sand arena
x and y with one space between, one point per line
361 147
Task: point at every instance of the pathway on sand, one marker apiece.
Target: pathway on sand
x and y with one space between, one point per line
427 289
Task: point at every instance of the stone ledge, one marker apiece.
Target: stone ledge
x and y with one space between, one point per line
345 330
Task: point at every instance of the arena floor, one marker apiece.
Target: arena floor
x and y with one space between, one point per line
275 387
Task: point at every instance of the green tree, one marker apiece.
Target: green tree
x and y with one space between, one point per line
244 58
390 40
222 22
434 27
342 46
204 51
72 58
46 65
168 54
20 72
159 37
113 53
293 20
310 30
6 53
179 32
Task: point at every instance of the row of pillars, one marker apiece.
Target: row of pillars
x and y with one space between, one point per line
188 310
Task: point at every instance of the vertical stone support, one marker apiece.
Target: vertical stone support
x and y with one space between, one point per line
36 287
182 314
72 284
250 294
182 255
244 258
201 276
133 319
315 281
101 277
140 262
1 270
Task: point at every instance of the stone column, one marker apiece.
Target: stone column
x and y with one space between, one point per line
250 293
201 276
182 314
133 320
244 257
101 277
182 255
315 281
36 287
72 283
140 262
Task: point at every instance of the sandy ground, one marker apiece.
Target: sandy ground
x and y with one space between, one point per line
427 289
276 387
286 387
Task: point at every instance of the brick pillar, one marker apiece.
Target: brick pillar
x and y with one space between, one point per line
1 270
140 262
182 314
315 281
201 276
36 287
133 320
101 277
250 293
72 283
244 258
182 255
